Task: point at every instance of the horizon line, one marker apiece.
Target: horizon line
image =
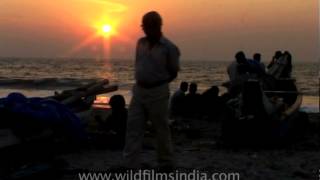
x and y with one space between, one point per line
125 59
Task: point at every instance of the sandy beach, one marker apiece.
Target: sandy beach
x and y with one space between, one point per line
299 161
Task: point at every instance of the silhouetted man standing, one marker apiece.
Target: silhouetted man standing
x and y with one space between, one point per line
156 65
238 72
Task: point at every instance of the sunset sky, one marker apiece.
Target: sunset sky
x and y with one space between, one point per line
203 29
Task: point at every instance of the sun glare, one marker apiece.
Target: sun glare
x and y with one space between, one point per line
106 28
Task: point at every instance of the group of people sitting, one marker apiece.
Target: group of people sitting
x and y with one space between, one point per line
244 68
186 102
281 65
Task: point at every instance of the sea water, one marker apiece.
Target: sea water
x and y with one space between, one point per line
42 76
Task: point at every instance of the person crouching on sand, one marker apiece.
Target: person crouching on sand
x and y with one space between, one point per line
156 65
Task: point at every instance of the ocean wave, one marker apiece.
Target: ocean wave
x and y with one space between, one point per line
44 83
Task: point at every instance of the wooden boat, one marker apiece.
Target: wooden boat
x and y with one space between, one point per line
264 116
288 91
41 148
75 99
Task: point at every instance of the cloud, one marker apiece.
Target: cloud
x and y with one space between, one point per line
112 6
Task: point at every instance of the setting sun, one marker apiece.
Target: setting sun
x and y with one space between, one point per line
106 28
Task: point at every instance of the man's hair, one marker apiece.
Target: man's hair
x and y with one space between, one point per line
240 57
152 18
214 90
257 56
117 102
184 86
277 54
193 87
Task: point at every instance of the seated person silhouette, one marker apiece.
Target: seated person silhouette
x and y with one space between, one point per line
193 100
178 100
258 68
286 73
115 124
281 65
211 103
276 57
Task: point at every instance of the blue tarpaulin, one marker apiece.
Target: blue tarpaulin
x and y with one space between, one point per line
45 113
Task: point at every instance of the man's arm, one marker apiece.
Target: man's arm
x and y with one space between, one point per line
139 42
173 62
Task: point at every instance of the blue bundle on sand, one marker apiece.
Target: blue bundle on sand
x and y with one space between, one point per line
27 116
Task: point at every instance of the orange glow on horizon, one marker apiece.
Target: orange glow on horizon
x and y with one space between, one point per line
85 27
